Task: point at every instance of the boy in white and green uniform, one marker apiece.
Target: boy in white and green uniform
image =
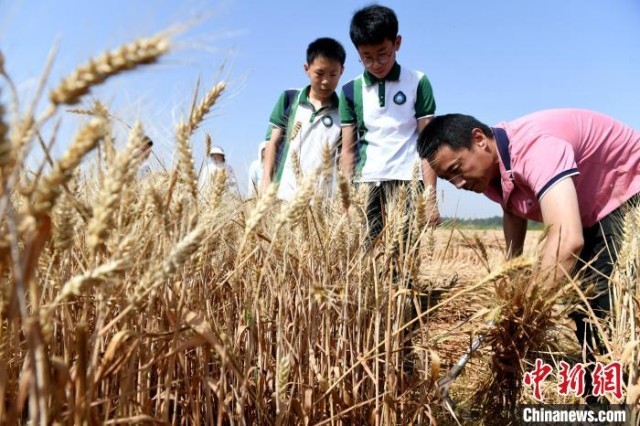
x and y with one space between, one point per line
305 120
382 113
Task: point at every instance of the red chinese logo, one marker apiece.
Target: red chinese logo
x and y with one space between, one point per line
571 379
607 379
535 377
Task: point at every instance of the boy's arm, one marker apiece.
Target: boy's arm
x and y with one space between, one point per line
270 158
278 122
349 119
515 230
429 178
425 109
347 155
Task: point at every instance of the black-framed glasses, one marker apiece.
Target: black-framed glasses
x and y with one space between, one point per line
381 59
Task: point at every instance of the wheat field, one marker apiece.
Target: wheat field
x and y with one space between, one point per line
132 298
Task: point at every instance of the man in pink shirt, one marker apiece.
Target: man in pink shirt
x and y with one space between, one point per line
574 170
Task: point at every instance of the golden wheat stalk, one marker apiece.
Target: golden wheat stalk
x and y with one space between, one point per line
185 160
295 165
97 70
294 211
76 285
5 145
111 195
51 185
184 131
208 101
262 206
328 162
207 144
64 225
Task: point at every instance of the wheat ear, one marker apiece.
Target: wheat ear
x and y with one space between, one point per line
207 144
293 211
111 193
185 159
261 208
97 70
207 102
77 284
5 146
51 185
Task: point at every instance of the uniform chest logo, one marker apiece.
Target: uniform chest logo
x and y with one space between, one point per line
327 121
399 98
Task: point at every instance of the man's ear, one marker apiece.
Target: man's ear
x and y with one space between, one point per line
398 42
478 138
306 67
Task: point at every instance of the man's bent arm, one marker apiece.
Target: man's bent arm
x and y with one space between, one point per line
515 230
561 213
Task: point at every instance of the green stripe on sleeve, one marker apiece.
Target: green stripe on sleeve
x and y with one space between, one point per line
425 102
362 128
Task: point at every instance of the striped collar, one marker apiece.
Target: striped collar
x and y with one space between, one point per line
304 99
393 75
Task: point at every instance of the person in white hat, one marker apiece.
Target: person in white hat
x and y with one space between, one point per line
255 171
218 161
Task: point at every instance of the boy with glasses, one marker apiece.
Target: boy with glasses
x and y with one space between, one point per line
304 120
382 112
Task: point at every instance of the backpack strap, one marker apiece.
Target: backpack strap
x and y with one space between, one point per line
291 95
348 90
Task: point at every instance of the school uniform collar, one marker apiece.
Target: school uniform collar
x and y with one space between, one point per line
304 98
393 75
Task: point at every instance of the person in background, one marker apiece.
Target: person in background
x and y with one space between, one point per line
255 171
304 120
218 162
576 171
141 156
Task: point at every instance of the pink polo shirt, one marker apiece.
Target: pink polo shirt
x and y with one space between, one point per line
538 150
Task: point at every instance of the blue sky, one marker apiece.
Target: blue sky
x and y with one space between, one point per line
496 60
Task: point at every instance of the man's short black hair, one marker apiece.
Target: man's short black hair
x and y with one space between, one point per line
452 130
327 48
373 24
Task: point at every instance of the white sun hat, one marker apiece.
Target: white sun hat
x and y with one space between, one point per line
216 150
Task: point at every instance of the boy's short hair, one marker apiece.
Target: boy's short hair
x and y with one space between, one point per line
373 25
328 48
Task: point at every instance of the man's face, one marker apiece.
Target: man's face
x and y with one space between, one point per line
469 169
217 158
378 59
324 75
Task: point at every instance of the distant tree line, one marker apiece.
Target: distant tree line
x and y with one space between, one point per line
494 222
